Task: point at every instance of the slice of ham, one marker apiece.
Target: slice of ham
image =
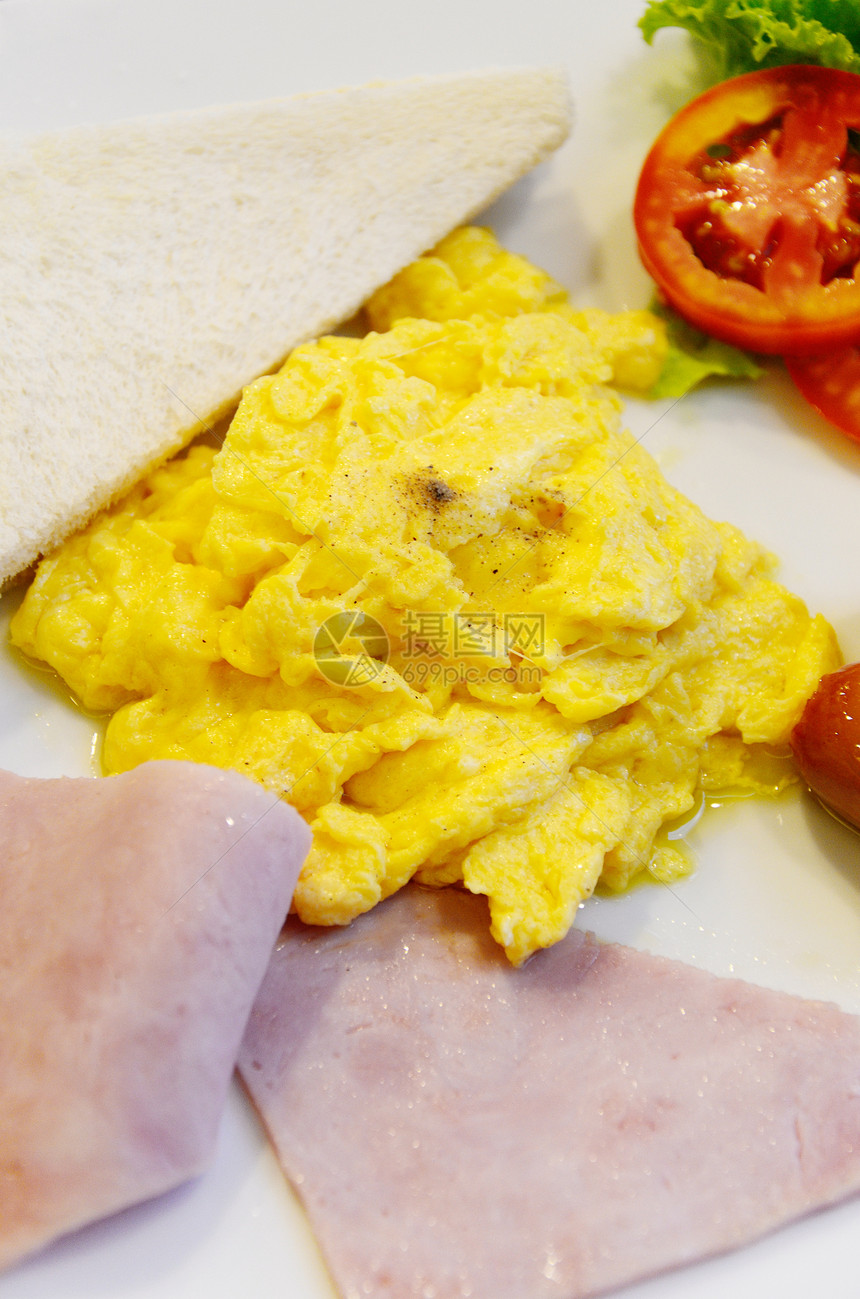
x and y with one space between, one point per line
138 914
456 1127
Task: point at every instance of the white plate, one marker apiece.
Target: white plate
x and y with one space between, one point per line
776 896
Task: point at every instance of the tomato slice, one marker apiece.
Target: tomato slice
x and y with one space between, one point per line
747 210
831 383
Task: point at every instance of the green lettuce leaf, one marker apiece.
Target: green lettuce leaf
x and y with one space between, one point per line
742 35
694 356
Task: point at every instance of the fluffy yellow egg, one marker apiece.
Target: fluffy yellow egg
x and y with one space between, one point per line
430 591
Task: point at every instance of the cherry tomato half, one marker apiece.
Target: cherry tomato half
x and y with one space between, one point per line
826 742
747 210
831 383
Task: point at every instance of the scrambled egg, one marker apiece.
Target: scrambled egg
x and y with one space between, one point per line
433 594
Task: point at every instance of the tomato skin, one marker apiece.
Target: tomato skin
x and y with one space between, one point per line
826 742
747 210
831 383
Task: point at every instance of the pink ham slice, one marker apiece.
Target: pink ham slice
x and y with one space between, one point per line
456 1127
137 915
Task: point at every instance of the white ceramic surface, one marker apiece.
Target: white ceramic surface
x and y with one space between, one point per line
776 893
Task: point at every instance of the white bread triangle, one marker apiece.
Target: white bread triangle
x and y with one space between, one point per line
151 268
